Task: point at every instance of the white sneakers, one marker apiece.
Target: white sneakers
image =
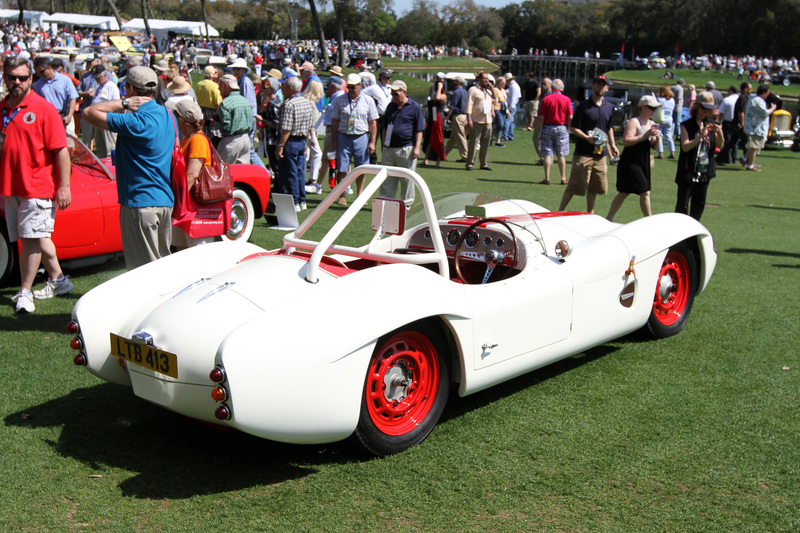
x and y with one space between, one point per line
24 298
314 188
54 288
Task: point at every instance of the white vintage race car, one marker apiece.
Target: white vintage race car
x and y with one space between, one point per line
323 339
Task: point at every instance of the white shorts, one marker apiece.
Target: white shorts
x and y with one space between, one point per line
29 218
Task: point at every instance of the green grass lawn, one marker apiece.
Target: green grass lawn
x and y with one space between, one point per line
698 432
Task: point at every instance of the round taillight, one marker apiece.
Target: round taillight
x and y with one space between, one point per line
217 375
76 343
222 412
73 328
219 394
80 360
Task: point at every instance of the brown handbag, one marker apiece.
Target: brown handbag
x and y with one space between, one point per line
214 182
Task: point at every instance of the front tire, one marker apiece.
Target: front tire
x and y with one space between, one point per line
675 290
405 391
243 217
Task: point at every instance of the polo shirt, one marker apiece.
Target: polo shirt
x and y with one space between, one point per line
27 161
144 155
458 102
87 82
58 91
208 95
406 122
555 108
362 109
589 116
234 115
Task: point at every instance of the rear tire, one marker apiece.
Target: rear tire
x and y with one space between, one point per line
243 217
8 256
405 390
675 290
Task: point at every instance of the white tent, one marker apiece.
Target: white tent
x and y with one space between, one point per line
33 18
83 21
161 27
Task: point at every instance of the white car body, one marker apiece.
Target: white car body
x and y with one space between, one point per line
296 332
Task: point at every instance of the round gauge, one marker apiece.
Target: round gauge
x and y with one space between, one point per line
427 234
472 239
500 242
487 241
452 237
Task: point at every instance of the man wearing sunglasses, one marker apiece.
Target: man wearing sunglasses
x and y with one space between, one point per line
57 89
34 178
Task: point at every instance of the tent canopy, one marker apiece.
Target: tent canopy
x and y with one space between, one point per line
34 18
83 21
181 27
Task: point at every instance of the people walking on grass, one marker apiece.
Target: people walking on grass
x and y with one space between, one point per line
555 116
633 170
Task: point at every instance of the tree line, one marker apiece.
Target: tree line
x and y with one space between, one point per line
728 27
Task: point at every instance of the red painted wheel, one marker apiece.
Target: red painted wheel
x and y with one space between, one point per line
675 290
404 393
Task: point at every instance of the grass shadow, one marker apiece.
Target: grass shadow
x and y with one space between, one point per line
773 207
170 456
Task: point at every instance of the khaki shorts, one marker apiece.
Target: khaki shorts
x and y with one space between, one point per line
589 174
29 218
754 142
532 109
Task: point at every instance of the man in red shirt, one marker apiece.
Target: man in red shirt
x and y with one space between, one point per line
34 177
555 115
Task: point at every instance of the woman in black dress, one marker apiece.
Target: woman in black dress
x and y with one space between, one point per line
633 170
700 135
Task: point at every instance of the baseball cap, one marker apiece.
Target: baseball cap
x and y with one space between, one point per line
649 101
385 74
705 99
307 66
186 108
209 71
142 78
399 85
97 71
230 80
603 79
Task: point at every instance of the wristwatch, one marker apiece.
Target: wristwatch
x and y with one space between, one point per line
125 104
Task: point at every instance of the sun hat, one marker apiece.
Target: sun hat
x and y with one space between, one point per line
337 70
162 65
142 78
209 71
179 85
353 79
509 76
239 62
186 108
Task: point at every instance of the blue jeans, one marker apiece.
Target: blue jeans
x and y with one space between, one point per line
510 123
292 170
254 159
499 125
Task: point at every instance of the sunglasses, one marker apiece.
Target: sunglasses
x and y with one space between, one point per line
11 77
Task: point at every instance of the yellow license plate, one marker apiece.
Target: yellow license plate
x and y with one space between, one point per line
140 354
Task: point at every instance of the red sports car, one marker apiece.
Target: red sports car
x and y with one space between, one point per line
88 231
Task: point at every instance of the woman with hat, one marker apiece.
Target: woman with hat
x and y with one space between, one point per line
180 89
633 170
700 135
196 149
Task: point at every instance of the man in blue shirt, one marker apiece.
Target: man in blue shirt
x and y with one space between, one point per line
57 89
146 138
458 120
402 134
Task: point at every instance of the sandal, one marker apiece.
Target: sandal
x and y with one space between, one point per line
544 182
